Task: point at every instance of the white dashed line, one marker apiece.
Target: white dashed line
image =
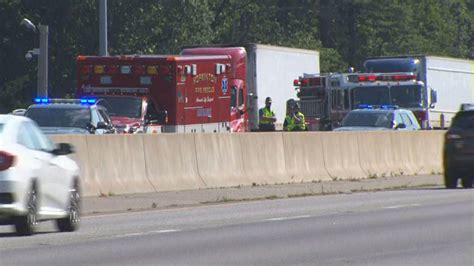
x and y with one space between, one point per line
165 231
287 218
148 233
401 206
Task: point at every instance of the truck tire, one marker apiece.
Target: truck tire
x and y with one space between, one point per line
71 222
466 182
450 178
25 225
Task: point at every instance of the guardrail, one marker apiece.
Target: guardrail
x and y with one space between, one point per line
123 164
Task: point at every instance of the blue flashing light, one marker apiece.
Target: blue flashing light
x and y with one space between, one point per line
88 101
365 106
41 100
388 107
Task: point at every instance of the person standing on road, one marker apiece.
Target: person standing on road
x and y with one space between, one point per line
294 120
266 117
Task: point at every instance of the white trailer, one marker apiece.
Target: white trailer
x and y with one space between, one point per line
453 79
270 73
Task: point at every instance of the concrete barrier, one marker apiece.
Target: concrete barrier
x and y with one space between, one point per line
304 157
263 157
219 160
341 155
117 164
376 154
121 164
429 151
407 152
171 162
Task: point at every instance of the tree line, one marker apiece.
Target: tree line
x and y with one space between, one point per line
345 32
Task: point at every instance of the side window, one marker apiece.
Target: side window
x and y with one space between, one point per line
407 120
346 100
241 96
398 119
233 97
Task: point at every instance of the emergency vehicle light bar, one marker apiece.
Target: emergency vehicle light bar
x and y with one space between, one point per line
58 100
392 77
383 106
308 81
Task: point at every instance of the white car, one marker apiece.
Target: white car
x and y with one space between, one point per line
37 180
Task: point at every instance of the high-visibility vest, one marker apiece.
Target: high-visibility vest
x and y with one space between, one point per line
267 113
293 125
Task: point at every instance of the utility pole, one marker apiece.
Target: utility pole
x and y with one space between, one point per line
42 53
43 61
103 28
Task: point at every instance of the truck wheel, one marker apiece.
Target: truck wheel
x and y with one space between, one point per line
25 225
450 178
71 222
466 182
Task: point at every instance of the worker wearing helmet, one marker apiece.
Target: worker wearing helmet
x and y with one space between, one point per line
294 120
267 117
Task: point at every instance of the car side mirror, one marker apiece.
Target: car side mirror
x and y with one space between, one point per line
401 126
101 125
63 149
160 118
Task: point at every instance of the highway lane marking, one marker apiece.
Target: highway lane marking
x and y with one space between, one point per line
148 233
165 231
287 218
401 206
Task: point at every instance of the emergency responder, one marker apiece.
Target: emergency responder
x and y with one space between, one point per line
294 120
267 117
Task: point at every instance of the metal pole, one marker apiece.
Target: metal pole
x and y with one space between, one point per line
103 28
43 62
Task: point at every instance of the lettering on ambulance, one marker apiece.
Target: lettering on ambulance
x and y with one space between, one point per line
204 90
206 99
204 77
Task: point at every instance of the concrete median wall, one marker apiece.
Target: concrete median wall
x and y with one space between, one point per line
263 156
171 162
304 157
121 164
341 155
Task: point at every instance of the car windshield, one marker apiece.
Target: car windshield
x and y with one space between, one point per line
368 119
122 106
60 117
406 96
377 95
464 120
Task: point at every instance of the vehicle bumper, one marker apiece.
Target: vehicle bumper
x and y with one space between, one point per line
12 197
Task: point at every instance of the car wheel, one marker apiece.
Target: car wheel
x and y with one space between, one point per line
466 182
25 225
71 222
450 178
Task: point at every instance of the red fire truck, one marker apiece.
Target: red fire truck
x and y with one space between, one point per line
153 94
325 98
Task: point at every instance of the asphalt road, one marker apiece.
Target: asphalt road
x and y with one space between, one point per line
430 226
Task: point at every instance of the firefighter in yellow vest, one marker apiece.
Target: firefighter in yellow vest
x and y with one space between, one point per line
266 117
294 120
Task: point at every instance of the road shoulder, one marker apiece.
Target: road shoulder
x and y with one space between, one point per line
174 199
